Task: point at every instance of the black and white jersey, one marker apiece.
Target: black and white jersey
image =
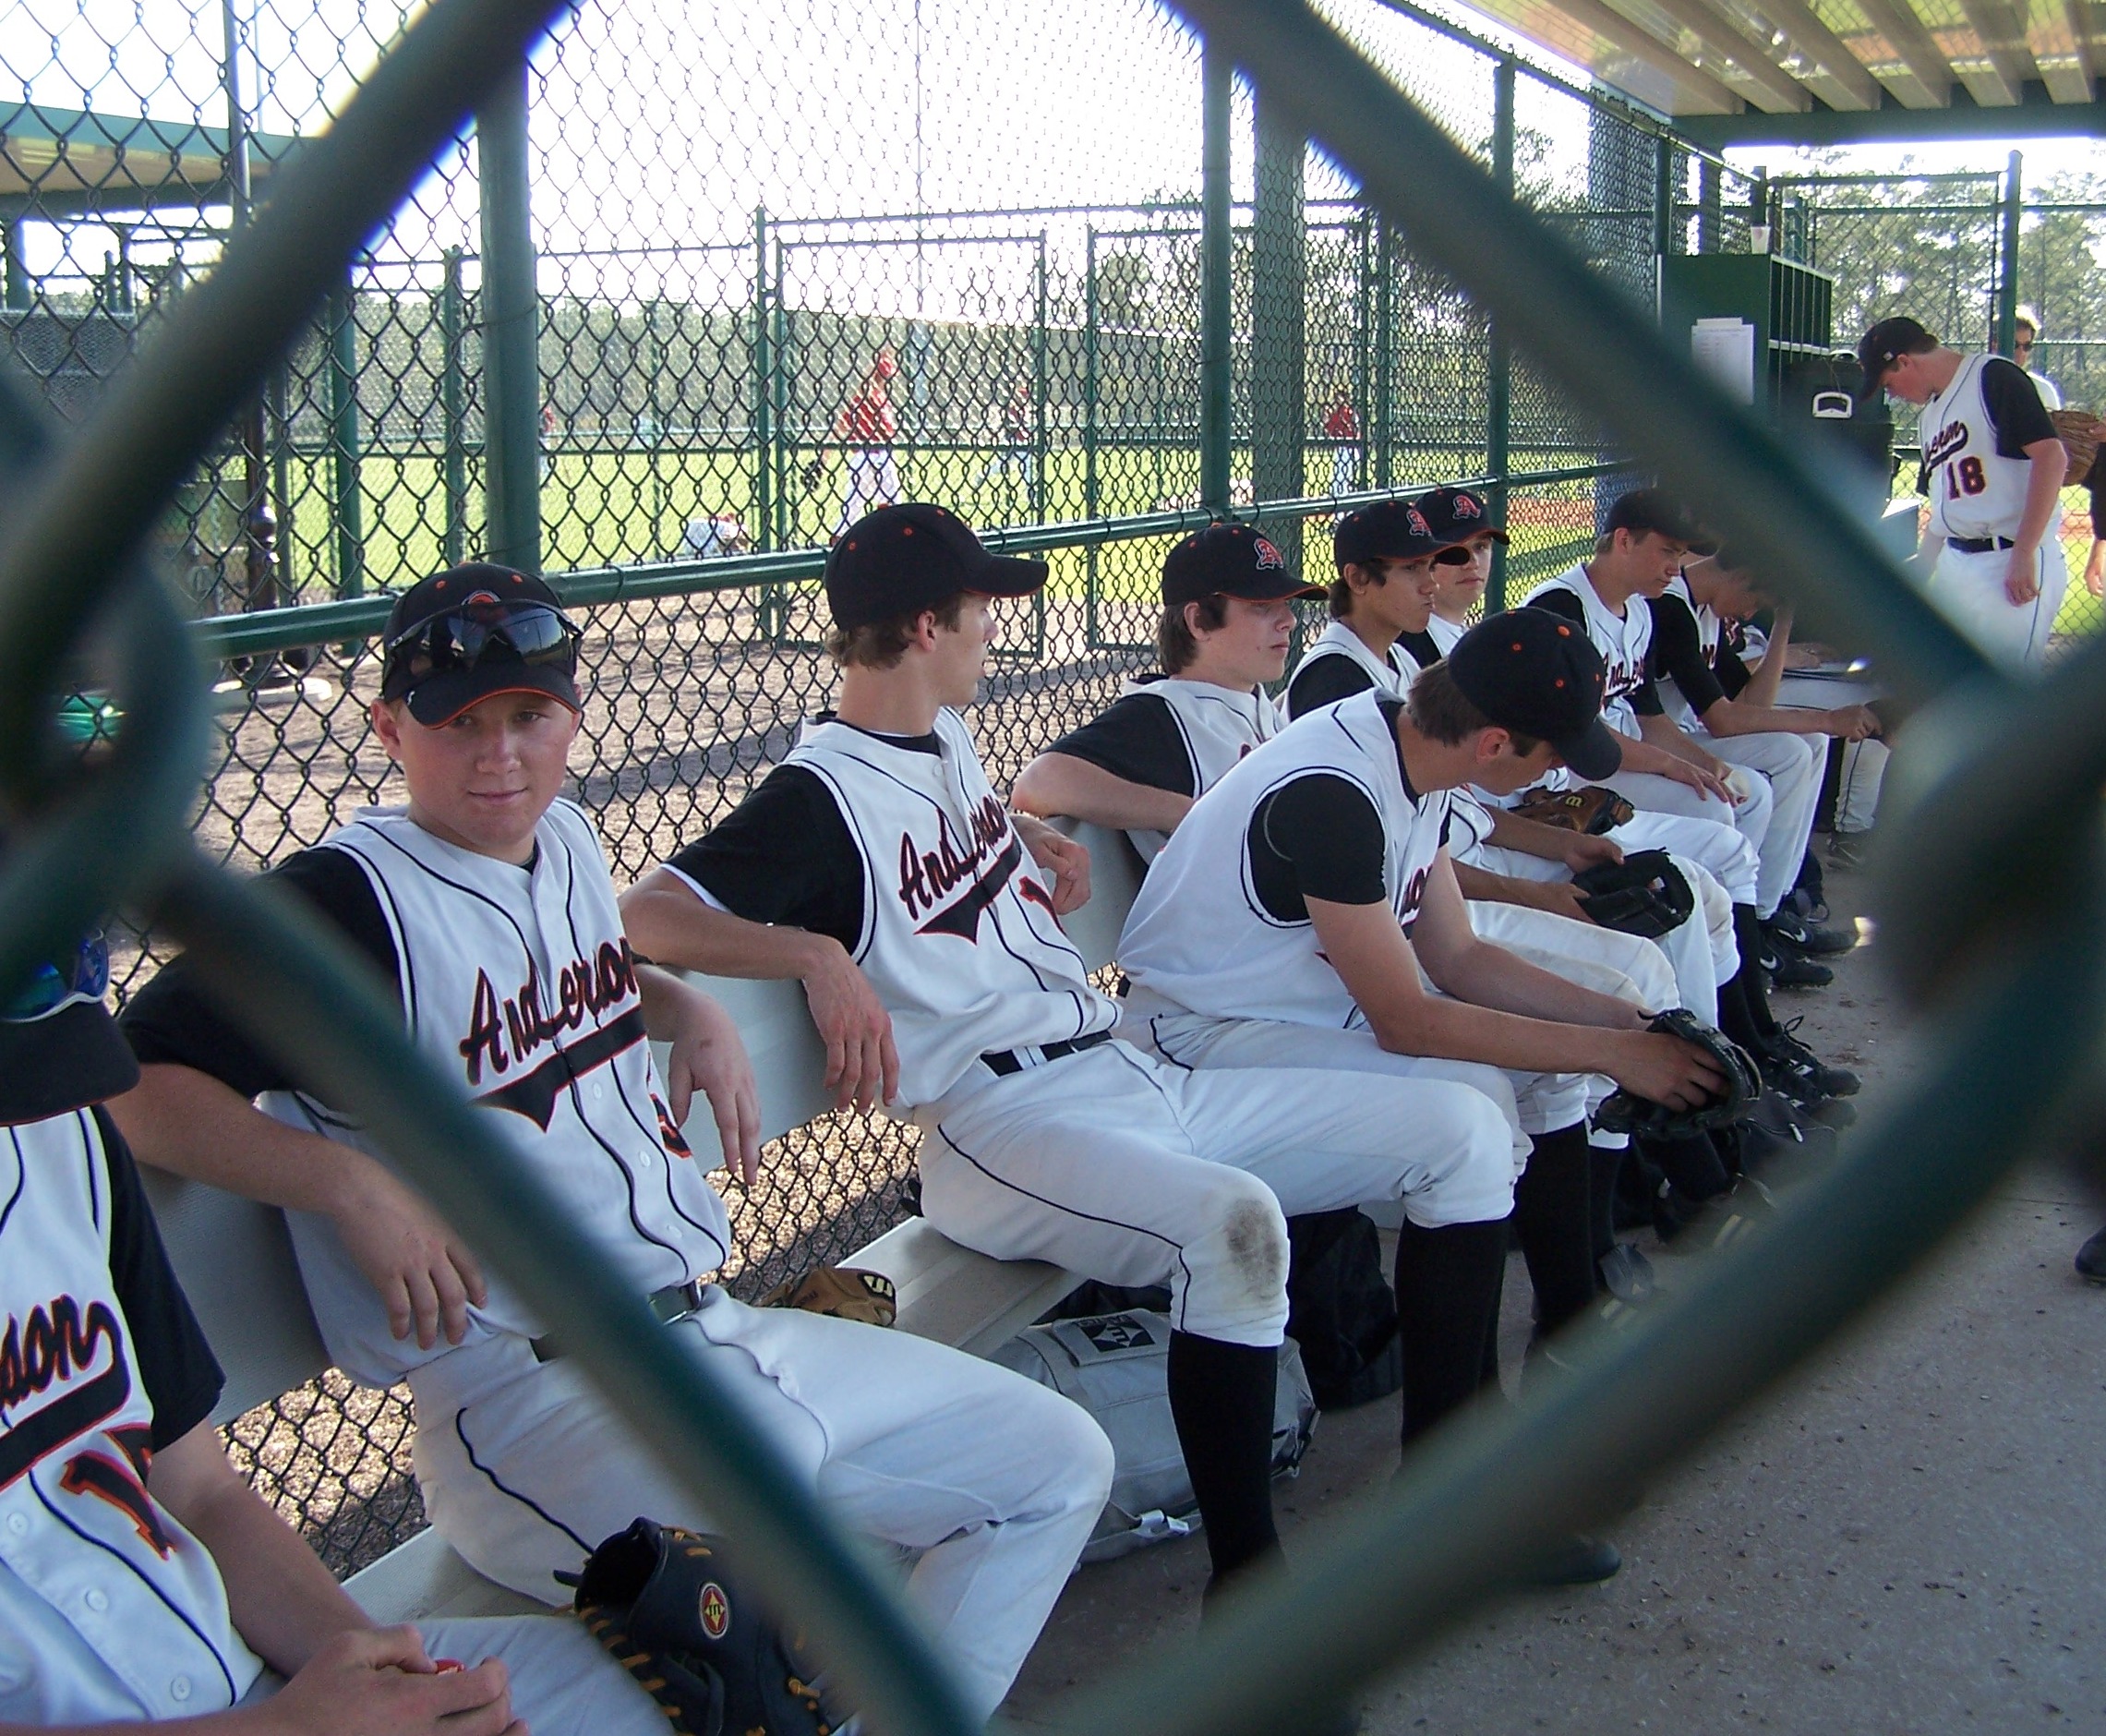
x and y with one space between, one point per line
953 922
1170 733
519 982
1974 436
1339 664
109 1608
1622 639
1222 926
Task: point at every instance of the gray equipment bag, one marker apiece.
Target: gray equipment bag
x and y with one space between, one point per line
1115 1367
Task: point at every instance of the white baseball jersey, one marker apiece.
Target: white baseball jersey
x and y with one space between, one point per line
1200 938
958 934
1444 634
1622 639
1219 726
1975 491
109 1608
1393 674
521 984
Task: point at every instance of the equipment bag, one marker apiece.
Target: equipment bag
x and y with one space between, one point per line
1115 1366
1341 1309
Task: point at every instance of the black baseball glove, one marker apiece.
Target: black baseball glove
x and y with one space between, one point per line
812 472
668 1605
1623 1113
1644 894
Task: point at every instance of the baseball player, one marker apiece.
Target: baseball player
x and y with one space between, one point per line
140 1578
2024 334
867 427
1167 740
877 865
486 902
1993 470
1286 923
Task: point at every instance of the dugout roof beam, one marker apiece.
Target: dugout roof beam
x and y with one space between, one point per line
57 161
1792 72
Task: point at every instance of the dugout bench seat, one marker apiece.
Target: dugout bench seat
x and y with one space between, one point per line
235 1258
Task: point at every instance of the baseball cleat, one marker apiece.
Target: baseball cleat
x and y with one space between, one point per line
1790 969
1783 1052
1577 1561
1809 937
1627 1275
2091 1258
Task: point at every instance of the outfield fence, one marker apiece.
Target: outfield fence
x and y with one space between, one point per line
332 403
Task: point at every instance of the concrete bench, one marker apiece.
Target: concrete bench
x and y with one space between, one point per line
235 1258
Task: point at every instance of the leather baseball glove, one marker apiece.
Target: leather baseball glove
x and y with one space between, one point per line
670 1609
1591 809
1623 1113
1644 894
848 1293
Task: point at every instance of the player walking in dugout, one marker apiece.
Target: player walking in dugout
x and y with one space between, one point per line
486 903
878 866
1993 470
140 1578
1224 634
1287 921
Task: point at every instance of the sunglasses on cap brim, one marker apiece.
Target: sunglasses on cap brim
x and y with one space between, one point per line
461 636
81 977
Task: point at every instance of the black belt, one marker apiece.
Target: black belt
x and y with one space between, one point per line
1977 544
676 1301
1003 1062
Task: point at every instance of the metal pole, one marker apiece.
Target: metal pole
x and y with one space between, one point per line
1089 427
1279 324
764 364
2007 278
1214 216
1707 206
511 331
453 407
344 439
1499 382
257 526
1363 338
1663 196
1385 353
17 291
1038 389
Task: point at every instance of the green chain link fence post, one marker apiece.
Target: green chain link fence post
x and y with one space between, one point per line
511 331
1499 382
2008 259
1216 352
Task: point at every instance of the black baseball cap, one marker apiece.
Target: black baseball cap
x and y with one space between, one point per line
456 638
1457 514
901 559
1887 343
1654 511
1389 530
1529 670
1230 561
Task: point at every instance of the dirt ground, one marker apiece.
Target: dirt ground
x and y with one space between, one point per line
1904 1538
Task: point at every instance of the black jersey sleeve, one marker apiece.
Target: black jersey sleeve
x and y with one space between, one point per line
1320 681
1318 837
783 855
1424 649
1677 655
1135 738
172 1018
1559 601
2014 408
176 1368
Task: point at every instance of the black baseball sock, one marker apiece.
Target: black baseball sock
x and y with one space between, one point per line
1692 1166
1605 1163
1448 1284
1748 937
1553 1216
1221 1399
1488 1370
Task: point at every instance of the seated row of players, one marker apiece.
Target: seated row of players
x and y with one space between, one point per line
879 868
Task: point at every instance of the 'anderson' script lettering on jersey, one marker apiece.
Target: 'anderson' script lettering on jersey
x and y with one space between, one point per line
585 985
926 876
55 1347
1943 444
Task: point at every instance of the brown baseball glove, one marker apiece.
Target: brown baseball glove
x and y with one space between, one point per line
2078 430
1591 810
848 1293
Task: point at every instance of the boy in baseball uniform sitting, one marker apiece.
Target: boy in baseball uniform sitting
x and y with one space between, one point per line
486 902
140 1578
877 866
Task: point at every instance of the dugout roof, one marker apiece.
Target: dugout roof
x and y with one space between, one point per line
56 160
1826 71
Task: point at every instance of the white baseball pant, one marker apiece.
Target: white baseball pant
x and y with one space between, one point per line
1968 590
1792 766
1122 1167
525 1467
874 481
1655 795
1628 967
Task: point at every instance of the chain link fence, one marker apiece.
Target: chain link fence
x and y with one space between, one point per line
789 261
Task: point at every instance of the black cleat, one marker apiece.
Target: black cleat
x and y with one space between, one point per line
1626 1274
1783 1052
1809 936
1790 969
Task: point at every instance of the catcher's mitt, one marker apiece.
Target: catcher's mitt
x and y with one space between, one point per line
2078 430
1623 1113
848 1293
669 1607
1590 809
1644 894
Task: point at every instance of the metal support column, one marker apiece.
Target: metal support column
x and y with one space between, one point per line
1667 197
1214 217
453 406
1091 627
18 267
1279 326
2007 272
1707 206
1039 384
1385 355
342 318
763 367
511 331
1499 383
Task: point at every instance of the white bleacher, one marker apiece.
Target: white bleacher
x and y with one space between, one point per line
235 1258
